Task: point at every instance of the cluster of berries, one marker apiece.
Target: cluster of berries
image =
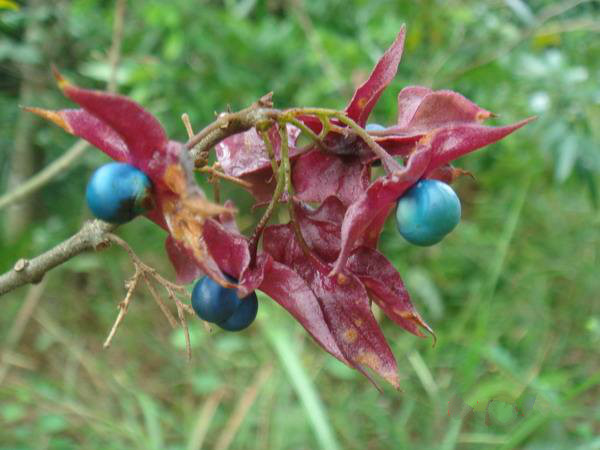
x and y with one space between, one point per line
118 192
323 266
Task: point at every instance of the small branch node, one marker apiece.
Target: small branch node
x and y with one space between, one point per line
21 265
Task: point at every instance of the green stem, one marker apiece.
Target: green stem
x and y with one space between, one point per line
305 130
285 162
280 172
269 146
389 163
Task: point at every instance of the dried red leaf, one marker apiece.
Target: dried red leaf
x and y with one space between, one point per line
81 123
420 108
385 286
377 199
127 132
440 148
453 142
367 94
290 290
141 132
245 156
183 261
344 177
344 303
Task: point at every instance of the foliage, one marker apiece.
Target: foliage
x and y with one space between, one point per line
510 292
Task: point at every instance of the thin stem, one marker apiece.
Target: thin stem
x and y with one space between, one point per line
279 187
285 162
389 163
114 54
185 118
62 163
269 146
45 175
228 124
124 305
305 129
224 176
326 124
318 139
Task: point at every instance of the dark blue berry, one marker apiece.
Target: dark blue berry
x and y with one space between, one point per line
118 192
427 212
243 316
212 302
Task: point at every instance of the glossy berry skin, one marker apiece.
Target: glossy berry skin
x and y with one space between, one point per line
214 303
243 316
118 192
427 212
374 127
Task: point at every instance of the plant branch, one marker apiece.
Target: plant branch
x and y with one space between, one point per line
279 187
45 175
287 171
92 236
114 54
228 124
259 115
148 275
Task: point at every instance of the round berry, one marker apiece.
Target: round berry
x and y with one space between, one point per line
427 212
243 316
118 192
212 302
374 127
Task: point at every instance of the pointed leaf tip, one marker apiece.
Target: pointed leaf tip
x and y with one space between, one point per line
365 97
60 80
52 116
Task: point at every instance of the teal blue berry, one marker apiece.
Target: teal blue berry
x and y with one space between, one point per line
427 212
374 127
118 192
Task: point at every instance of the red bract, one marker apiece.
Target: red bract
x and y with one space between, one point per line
128 133
323 267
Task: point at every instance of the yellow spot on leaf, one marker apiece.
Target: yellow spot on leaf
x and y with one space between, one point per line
350 335
482 115
369 359
426 138
342 279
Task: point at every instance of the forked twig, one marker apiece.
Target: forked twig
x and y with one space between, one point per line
123 306
150 275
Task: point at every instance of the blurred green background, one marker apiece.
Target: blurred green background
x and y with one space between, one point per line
513 293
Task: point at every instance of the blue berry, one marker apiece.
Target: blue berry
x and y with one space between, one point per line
374 127
118 192
427 212
214 303
243 316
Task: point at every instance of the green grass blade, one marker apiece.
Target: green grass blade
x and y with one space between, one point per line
303 385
